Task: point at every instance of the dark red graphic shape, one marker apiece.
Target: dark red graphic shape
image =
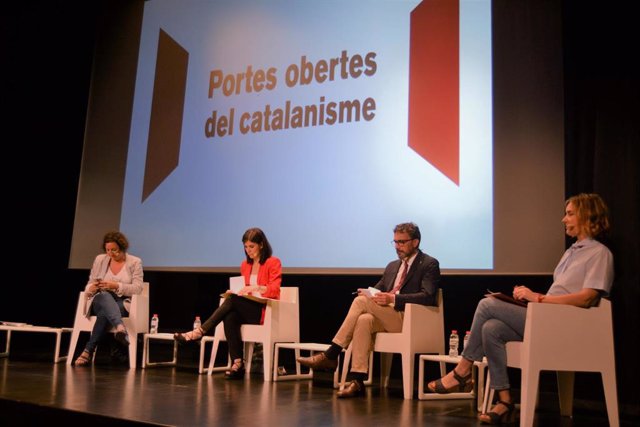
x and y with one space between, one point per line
167 108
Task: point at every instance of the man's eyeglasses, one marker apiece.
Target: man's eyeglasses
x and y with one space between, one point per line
401 242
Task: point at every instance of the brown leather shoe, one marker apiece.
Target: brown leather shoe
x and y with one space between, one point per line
353 389
319 362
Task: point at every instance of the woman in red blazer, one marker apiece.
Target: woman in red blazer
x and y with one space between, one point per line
262 274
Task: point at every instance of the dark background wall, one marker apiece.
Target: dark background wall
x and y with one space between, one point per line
47 51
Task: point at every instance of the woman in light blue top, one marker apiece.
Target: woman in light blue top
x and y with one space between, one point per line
583 275
115 276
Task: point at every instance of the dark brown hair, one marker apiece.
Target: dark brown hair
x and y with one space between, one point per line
410 228
255 235
116 237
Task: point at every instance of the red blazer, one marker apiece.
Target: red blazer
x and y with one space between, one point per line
269 275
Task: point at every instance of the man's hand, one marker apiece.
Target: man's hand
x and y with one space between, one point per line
384 298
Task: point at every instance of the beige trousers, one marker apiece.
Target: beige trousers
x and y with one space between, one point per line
364 320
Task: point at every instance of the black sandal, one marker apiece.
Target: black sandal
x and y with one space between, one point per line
495 418
122 337
465 385
194 335
237 370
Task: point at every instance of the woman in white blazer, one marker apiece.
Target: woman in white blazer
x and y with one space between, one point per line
114 277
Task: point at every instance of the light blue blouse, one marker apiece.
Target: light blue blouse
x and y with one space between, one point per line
586 264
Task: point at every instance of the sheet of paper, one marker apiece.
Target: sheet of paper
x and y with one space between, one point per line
236 283
370 291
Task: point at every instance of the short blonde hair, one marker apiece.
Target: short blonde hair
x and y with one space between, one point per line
592 213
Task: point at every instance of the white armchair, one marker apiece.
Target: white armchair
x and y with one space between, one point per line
281 324
137 322
565 339
422 332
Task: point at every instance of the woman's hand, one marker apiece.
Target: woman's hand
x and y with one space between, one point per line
93 288
525 294
248 290
104 285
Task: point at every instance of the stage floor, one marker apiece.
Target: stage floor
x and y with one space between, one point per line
33 392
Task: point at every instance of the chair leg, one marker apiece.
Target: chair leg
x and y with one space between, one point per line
297 356
528 396
267 356
248 356
566 380
488 395
345 367
212 360
369 380
203 351
133 350
385 368
407 375
72 346
611 396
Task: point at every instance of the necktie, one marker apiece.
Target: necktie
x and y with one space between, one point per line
403 276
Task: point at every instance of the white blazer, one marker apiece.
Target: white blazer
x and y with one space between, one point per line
99 270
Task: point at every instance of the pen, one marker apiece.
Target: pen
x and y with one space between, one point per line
354 293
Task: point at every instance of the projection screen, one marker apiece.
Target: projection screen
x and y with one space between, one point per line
325 124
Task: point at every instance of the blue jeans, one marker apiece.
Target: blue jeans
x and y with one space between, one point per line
494 324
109 310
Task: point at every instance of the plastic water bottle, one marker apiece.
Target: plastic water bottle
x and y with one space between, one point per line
197 323
154 324
466 339
454 340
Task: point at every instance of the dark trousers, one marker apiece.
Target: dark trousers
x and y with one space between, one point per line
234 312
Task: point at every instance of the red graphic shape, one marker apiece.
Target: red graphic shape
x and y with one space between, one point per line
434 85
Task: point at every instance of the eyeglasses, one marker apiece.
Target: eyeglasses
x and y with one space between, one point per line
113 251
401 242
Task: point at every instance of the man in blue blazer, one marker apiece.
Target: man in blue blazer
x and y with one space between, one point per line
413 278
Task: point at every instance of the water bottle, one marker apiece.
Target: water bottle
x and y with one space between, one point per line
453 343
466 339
154 324
197 323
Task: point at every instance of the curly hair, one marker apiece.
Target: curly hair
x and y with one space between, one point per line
592 213
116 237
